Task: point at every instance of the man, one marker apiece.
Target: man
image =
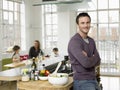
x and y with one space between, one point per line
83 55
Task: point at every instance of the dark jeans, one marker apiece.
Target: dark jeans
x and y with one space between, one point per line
86 85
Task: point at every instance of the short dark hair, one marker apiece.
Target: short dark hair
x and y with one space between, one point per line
55 49
16 47
83 14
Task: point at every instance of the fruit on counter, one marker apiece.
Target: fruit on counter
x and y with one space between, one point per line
47 72
24 71
44 72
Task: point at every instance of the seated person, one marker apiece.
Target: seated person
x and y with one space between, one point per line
35 50
16 55
55 52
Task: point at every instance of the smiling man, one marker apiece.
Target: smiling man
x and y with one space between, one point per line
83 56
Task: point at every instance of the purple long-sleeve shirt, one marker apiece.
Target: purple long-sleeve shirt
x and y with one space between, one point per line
83 66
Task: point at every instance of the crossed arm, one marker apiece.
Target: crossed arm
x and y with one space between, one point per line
82 57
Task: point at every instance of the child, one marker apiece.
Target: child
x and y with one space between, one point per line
55 51
16 56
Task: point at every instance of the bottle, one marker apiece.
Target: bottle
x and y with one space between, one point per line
42 70
42 67
34 66
31 75
36 76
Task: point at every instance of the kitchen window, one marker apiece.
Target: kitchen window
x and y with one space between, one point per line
50 26
12 23
105 29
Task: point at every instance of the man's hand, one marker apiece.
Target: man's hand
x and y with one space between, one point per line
84 53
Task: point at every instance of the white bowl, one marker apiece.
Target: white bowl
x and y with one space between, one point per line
43 77
58 79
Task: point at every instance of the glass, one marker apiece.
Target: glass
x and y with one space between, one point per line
5 4
93 16
55 38
16 6
48 8
48 19
113 3
22 8
5 15
49 39
10 5
103 16
23 38
114 16
48 44
93 31
55 32
54 19
103 32
48 30
22 19
114 32
54 8
102 4
10 17
15 17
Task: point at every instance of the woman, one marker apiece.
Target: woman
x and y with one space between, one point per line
35 50
16 55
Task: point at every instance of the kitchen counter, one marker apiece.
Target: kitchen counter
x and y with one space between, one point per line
43 85
47 62
10 75
15 73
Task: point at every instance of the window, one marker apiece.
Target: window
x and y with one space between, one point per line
50 24
12 22
105 30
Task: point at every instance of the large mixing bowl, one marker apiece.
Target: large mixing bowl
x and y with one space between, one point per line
58 79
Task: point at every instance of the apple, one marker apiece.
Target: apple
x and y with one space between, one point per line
47 72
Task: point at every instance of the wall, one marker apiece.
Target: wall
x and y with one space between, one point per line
66 29
33 22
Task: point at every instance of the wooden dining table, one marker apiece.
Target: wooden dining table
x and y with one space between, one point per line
10 75
47 62
18 64
44 85
15 75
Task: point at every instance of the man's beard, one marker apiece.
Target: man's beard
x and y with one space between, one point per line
84 32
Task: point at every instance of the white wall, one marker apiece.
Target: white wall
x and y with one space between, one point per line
66 29
33 22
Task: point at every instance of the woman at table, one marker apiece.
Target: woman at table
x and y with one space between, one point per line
16 55
35 50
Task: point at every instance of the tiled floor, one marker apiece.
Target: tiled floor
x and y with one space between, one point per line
108 83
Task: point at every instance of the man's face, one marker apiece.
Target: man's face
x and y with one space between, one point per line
84 24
